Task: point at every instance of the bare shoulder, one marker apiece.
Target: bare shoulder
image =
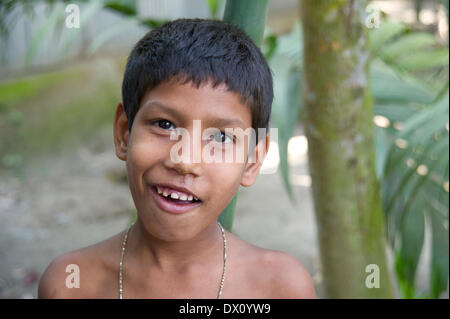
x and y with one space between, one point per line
278 274
53 282
288 277
81 273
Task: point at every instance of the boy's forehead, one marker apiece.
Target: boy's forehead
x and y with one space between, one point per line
217 105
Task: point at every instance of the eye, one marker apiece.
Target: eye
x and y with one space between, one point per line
164 124
222 138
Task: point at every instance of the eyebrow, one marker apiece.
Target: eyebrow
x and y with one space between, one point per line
216 121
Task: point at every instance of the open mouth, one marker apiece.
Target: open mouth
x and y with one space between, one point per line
175 205
175 198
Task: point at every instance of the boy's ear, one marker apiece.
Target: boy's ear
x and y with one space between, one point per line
121 132
254 162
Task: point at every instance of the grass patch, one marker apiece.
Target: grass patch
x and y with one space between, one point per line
74 123
48 113
18 90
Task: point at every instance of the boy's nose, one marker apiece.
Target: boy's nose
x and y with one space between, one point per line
189 161
184 168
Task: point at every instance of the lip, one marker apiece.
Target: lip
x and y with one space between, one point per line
170 206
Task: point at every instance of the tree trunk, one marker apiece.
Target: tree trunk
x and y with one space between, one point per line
339 128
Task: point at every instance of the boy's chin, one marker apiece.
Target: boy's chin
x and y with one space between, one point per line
171 232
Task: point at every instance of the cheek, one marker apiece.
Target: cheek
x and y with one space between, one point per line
226 177
232 155
143 152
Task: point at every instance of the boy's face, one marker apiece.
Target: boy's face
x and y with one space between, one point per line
148 151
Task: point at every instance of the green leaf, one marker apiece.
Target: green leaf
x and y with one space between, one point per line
214 6
285 109
249 16
439 255
412 238
125 7
290 45
89 11
406 44
388 87
407 195
293 98
56 15
383 143
417 61
382 35
269 46
407 290
153 23
424 124
395 112
405 175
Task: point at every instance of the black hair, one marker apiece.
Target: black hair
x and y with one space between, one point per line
198 50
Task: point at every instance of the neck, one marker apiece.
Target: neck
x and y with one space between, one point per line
174 256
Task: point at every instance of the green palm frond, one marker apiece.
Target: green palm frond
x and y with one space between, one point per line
414 187
287 73
414 171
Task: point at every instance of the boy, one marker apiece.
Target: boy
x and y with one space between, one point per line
186 72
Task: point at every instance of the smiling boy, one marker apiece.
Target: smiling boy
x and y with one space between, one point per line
185 71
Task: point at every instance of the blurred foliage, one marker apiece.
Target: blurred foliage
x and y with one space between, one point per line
409 84
414 168
11 10
214 7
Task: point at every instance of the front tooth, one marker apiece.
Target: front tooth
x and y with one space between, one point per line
183 197
165 194
190 197
174 195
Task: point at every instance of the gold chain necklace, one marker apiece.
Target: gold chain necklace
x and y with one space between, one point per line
222 281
